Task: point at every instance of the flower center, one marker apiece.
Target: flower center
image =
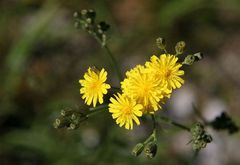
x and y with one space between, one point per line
167 73
95 85
144 89
127 110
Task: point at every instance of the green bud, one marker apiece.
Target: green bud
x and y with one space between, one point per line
74 116
66 112
104 39
84 12
150 149
77 24
72 126
179 48
60 122
189 60
199 137
100 31
75 14
89 20
137 150
161 44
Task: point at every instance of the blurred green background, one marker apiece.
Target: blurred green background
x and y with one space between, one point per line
42 57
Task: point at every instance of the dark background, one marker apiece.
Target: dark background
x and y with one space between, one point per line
42 57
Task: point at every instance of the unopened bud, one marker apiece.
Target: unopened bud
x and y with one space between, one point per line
150 149
137 150
66 112
189 60
89 20
75 14
74 116
60 123
72 126
84 12
161 44
76 24
179 48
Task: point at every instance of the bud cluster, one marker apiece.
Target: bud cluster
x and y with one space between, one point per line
149 147
224 122
179 49
70 119
86 19
200 137
190 59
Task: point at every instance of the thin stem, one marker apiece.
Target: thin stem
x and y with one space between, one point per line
154 121
194 158
112 58
114 62
198 113
168 120
153 136
149 139
98 109
165 51
154 127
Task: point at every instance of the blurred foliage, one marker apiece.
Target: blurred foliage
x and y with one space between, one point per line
42 56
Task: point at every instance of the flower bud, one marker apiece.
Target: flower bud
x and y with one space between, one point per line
66 112
161 44
150 149
60 122
75 14
200 137
84 12
72 126
77 24
137 150
189 60
180 46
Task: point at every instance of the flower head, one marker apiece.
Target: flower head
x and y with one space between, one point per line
144 88
94 86
166 68
125 110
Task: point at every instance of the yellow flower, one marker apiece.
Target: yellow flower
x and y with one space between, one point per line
166 68
144 88
93 86
125 110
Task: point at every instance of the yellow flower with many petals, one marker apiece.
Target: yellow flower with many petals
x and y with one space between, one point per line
166 68
144 88
94 86
125 110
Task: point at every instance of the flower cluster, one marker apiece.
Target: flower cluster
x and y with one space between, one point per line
143 90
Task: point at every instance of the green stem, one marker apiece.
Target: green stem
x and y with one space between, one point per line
149 139
198 113
112 58
176 124
96 110
114 63
154 127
